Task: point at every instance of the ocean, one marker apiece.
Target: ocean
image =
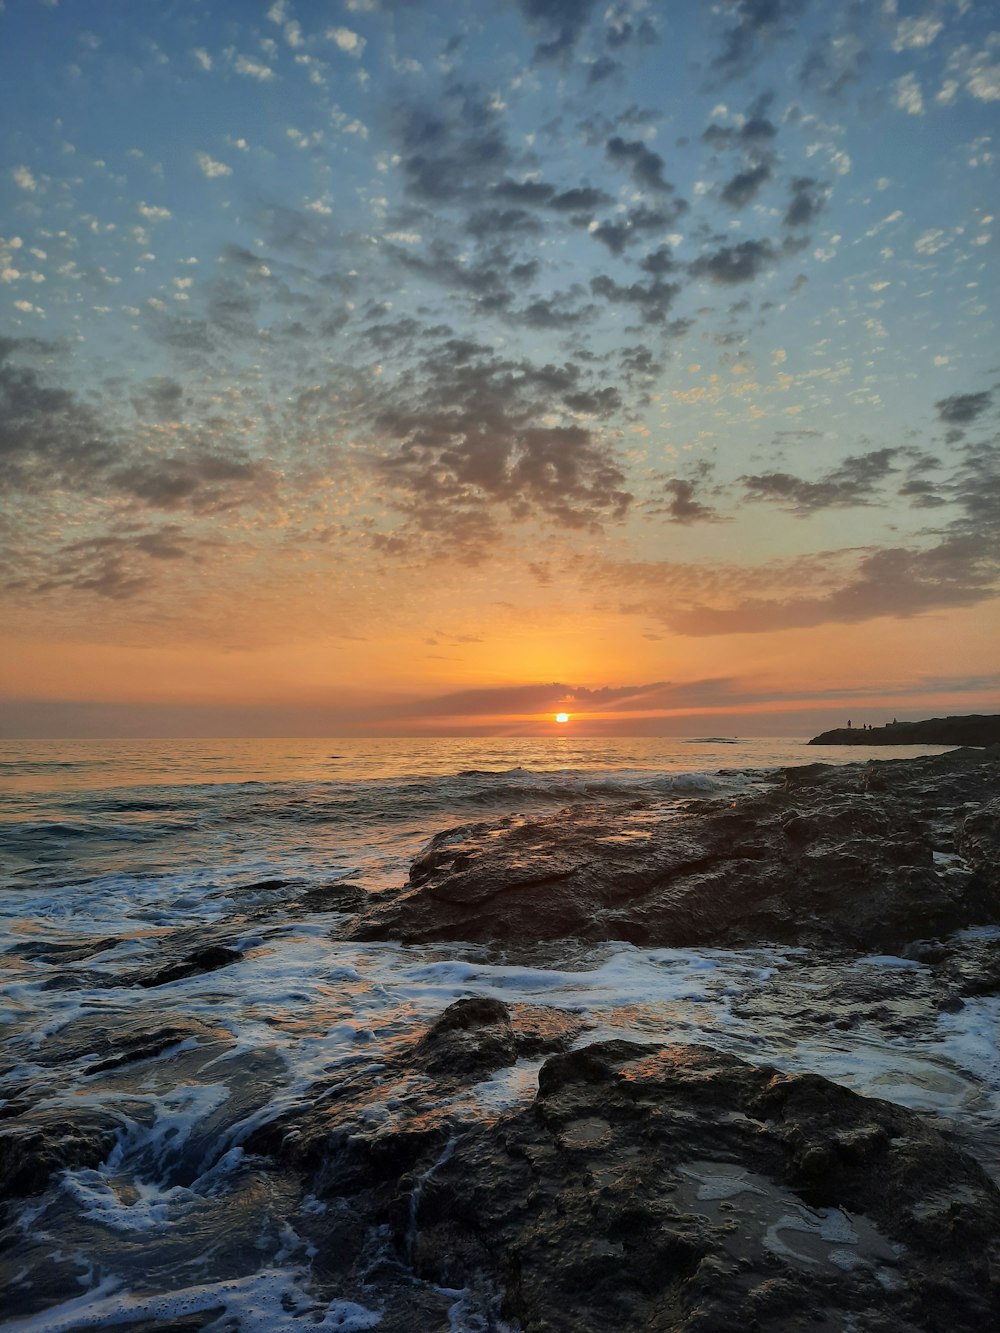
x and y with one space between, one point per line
111 850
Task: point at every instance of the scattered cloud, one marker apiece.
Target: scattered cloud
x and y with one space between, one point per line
211 168
855 481
908 96
347 41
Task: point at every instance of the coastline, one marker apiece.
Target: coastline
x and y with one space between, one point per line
667 1000
976 729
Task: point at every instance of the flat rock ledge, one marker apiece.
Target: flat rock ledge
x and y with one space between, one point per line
859 857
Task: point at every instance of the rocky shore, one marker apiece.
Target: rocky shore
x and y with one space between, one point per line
653 1185
856 857
970 729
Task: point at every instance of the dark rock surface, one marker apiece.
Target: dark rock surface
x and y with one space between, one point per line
207 959
971 729
678 1188
664 1188
33 1147
858 857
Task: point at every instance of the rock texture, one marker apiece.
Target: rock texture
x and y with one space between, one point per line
859 857
655 1187
972 729
678 1188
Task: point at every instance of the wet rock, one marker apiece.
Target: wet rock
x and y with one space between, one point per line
826 859
471 1035
377 1122
979 843
972 967
334 898
64 951
34 1147
208 959
132 1048
679 1188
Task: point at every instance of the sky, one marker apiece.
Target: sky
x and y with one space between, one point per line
405 367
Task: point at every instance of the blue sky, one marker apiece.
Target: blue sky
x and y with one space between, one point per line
357 355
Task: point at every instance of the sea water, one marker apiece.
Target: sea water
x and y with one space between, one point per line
118 846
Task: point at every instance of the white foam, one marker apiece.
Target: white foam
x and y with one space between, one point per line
273 1300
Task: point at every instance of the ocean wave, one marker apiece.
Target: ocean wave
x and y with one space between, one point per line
19 835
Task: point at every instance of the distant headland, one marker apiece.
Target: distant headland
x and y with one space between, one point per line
974 729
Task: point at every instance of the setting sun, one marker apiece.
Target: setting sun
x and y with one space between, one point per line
562 717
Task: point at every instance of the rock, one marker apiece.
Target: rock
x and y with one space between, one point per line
972 729
130 1048
34 1147
208 959
677 1188
979 843
471 1035
836 857
64 951
470 1040
670 1188
972 968
339 897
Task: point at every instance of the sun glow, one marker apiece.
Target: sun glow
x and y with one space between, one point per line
562 717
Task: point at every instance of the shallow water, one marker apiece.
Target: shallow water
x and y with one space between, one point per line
134 849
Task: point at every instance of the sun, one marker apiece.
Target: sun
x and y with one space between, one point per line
562 717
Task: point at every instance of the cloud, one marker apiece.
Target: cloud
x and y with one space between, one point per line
559 24
24 180
154 212
50 439
347 41
652 299
252 69
806 201
201 481
963 408
453 148
53 440
471 436
644 166
757 24
116 566
210 168
742 188
915 33
752 131
896 582
628 228
681 505
854 482
907 95
732 264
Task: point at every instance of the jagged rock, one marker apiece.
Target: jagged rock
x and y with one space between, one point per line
33 1147
469 1040
471 1035
979 843
840 857
681 1189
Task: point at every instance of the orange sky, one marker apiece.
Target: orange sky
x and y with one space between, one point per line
430 371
